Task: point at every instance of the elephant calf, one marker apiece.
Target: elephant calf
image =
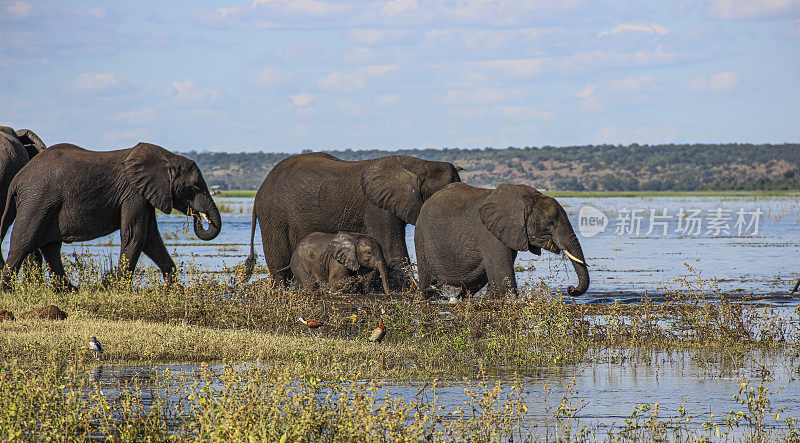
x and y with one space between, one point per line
68 194
334 261
468 237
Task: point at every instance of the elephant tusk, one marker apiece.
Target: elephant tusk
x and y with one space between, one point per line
205 217
575 259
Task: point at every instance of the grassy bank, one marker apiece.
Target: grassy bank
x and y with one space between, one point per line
602 194
206 318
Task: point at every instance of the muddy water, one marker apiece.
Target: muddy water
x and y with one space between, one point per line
604 394
636 255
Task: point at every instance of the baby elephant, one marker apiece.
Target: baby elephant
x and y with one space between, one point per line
334 261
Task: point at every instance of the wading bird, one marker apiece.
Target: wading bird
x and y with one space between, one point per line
94 346
312 324
379 332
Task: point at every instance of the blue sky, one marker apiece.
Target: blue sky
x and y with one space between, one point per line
288 75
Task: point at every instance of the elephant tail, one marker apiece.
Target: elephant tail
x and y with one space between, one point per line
9 215
250 263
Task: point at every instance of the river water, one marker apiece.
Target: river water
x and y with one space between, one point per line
744 246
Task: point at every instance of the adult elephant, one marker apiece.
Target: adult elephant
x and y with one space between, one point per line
16 150
68 194
318 192
468 237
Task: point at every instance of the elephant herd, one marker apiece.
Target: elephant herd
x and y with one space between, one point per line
325 223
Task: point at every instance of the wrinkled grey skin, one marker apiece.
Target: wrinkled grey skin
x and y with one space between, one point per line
468 237
334 261
318 192
16 150
67 194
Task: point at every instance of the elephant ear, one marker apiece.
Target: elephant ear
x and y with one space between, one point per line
33 144
149 171
344 251
504 213
391 184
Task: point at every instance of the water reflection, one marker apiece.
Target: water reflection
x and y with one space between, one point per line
604 393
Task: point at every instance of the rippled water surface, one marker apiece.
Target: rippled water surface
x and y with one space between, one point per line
625 262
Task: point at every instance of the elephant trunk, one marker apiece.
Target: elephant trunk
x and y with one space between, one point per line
572 249
205 208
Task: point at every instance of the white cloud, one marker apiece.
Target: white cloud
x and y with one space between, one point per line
270 78
97 82
753 9
653 28
721 81
396 7
586 92
644 135
187 91
301 100
311 8
15 10
355 81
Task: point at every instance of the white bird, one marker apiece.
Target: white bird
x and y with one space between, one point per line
94 346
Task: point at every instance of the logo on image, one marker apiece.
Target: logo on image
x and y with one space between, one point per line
591 221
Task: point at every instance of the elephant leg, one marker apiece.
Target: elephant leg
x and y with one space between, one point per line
501 278
16 256
25 239
427 282
155 249
52 253
305 281
277 253
133 236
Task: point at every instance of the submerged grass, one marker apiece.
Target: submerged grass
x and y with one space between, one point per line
209 317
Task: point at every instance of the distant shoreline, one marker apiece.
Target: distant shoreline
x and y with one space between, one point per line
644 170
606 194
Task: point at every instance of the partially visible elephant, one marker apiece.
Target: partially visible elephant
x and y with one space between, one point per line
468 237
318 192
16 150
335 261
69 194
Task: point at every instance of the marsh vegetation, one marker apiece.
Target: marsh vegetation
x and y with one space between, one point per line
249 370
210 358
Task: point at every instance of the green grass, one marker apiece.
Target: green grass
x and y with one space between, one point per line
237 194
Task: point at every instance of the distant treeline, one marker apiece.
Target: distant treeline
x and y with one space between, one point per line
572 168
